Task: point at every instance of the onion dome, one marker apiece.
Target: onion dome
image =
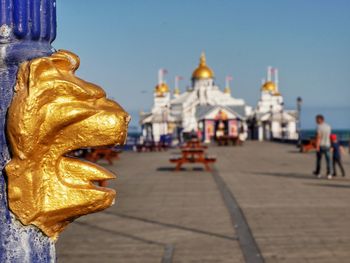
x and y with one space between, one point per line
161 89
269 86
202 71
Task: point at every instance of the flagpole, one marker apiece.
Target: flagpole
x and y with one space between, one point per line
160 77
269 68
276 79
176 82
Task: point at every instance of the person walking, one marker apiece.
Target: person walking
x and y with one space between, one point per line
323 145
337 153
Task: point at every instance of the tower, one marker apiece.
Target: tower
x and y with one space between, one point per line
161 91
203 80
271 99
161 106
177 89
227 89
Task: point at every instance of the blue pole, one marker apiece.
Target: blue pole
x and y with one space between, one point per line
27 28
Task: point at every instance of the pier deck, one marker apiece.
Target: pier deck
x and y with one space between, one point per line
260 198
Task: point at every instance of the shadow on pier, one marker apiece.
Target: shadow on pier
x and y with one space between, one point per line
172 169
287 175
340 186
306 177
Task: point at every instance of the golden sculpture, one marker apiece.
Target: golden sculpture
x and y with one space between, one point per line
52 113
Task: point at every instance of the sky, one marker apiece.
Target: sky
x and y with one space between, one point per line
122 44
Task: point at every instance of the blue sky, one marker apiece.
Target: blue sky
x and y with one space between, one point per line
122 44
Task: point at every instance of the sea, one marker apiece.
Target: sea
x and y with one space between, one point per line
337 117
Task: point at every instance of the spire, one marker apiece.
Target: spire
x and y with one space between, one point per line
269 73
202 60
276 79
227 89
176 91
161 74
162 87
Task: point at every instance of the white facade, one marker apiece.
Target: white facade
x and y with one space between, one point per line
272 120
188 112
204 105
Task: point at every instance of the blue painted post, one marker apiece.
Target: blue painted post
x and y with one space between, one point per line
27 28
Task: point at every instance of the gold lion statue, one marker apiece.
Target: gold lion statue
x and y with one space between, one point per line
52 113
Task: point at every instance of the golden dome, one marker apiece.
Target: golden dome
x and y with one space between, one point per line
227 90
269 86
160 89
202 71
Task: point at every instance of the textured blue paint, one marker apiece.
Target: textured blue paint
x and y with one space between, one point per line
31 32
20 18
6 16
35 17
29 20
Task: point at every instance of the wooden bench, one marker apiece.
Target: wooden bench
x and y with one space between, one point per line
107 154
308 145
193 155
227 140
152 147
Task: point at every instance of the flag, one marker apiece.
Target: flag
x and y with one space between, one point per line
229 78
179 78
164 71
